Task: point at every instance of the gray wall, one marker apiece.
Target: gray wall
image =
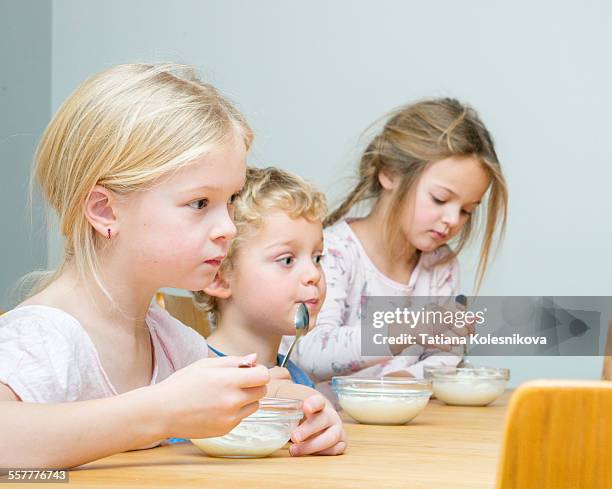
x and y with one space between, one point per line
25 101
310 76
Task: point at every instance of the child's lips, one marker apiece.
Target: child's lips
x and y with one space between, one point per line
438 234
215 262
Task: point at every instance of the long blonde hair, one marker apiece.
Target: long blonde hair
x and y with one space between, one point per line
123 129
422 133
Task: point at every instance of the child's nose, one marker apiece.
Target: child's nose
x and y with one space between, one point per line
312 274
451 217
224 226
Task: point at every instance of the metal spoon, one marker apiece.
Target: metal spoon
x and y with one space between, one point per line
301 321
465 362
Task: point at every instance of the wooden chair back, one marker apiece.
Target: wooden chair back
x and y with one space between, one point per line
558 436
185 310
607 364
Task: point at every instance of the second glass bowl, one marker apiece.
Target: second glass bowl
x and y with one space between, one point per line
477 386
384 400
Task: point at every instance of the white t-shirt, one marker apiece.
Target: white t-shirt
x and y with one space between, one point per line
47 356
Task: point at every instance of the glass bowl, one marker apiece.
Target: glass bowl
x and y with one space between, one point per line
258 435
383 400
477 386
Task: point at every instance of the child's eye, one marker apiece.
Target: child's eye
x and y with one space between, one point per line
232 199
437 201
318 259
466 213
198 204
286 260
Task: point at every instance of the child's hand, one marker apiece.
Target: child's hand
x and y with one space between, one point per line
211 396
321 431
279 378
280 373
432 329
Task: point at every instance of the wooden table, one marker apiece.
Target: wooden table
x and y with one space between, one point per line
444 447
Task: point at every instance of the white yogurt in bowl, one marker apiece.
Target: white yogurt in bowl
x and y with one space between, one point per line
478 386
258 435
384 400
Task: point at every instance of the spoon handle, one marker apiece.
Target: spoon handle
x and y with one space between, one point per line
286 359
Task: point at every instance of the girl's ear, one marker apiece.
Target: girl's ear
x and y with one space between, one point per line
219 288
388 179
98 209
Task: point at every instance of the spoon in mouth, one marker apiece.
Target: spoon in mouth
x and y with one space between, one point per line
301 321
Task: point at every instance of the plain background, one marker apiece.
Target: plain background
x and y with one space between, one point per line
311 76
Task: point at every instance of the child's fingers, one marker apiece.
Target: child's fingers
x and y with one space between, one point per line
313 404
323 441
337 449
462 305
251 395
280 373
471 327
250 377
230 361
443 347
449 328
313 424
457 330
310 427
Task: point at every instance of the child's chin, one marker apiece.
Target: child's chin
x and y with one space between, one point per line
430 246
197 284
427 248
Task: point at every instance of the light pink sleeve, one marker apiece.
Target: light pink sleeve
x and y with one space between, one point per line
445 282
39 359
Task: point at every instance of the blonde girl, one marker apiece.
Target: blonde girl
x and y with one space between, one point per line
140 164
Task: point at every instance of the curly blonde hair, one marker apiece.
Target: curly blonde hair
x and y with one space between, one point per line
265 190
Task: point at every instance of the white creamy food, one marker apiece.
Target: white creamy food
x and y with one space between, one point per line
381 409
471 392
248 440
